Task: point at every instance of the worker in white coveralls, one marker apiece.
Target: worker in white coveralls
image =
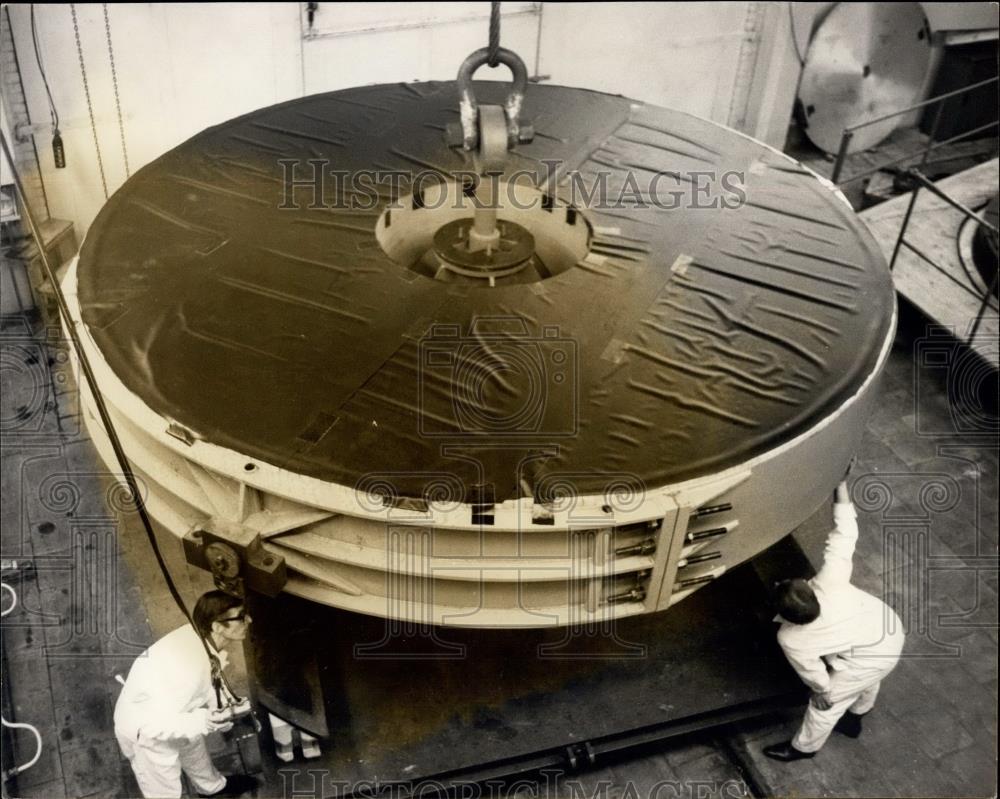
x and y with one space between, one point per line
841 640
170 703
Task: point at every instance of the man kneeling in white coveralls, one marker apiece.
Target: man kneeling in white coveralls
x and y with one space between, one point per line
162 715
841 640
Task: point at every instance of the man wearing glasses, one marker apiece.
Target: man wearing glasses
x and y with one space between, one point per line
170 703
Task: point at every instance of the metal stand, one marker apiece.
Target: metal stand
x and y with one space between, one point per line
408 708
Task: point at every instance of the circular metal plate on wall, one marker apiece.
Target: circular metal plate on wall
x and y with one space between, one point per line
866 60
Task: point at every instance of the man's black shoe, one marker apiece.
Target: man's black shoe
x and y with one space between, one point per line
786 753
849 724
236 785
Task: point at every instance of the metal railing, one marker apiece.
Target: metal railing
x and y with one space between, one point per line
921 181
848 135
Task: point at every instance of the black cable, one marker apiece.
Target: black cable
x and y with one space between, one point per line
58 151
102 410
38 58
494 45
795 39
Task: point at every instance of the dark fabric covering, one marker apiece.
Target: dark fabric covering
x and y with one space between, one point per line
290 336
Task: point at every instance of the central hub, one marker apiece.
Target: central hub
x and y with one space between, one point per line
510 254
523 236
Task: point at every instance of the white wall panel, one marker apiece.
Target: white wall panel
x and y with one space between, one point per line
183 67
422 52
682 55
335 19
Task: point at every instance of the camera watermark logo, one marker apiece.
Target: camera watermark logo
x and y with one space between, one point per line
963 370
497 379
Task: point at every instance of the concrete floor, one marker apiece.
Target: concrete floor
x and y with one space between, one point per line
90 599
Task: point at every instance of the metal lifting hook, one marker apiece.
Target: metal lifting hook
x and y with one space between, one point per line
469 106
489 132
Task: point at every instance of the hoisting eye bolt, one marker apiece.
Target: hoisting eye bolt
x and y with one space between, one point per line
488 132
469 108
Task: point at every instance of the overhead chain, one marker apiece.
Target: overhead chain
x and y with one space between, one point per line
114 80
494 42
86 91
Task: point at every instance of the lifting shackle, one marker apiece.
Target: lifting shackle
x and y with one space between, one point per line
469 108
489 132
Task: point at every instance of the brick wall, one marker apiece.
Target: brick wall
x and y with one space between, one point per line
16 112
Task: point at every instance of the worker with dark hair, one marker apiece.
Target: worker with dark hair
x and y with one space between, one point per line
841 640
163 713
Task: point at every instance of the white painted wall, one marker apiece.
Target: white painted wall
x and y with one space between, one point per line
183 67
684 55
363 43
180 69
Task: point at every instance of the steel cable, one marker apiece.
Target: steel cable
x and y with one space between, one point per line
53 113
494 43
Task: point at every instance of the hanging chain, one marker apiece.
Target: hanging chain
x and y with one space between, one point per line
114 80
494 44
86 91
